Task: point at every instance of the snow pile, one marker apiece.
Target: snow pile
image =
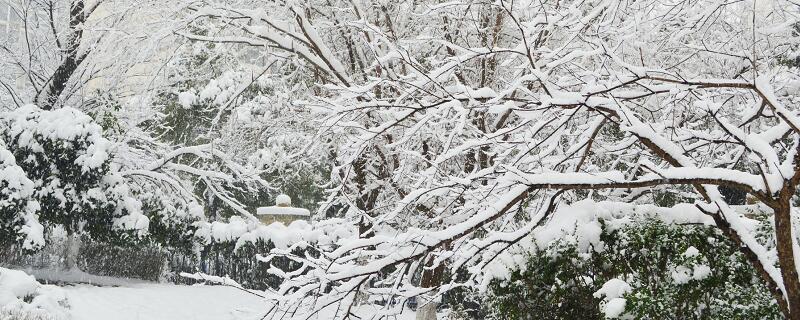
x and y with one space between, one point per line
21 293
197 302
613 304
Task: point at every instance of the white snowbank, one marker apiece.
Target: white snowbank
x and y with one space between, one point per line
21 293
58 275
163 302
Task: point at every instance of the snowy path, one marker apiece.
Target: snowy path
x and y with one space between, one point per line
162 301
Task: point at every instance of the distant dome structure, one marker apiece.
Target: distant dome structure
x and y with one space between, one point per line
282 212
283 200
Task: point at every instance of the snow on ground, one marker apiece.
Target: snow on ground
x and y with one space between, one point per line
173 302
81 296
163 301
20 293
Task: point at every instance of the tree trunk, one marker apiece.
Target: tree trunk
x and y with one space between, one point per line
71 250
48 97
427 312
430 279
783 234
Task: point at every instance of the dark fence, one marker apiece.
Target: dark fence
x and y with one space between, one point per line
222 259
145 263
48 257
160 264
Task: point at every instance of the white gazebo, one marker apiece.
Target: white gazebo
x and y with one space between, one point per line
282 212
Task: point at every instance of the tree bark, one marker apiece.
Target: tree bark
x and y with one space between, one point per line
784 243
71 250
430 278
48 97
427 312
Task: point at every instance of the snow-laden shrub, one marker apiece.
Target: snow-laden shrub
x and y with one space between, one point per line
58 172
18 209
22 297
640 269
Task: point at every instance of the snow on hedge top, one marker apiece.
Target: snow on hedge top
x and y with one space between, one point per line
580 221
15 286
30 127
66 124
282 236
242 231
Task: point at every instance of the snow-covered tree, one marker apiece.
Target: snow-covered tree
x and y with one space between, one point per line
182 154
462 125
94 150
60 175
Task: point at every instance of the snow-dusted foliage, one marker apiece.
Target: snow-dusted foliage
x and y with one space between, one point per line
613 302
628 262
18 210
461 126
58 172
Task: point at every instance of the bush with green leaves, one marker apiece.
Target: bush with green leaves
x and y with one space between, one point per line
673 271
62 176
